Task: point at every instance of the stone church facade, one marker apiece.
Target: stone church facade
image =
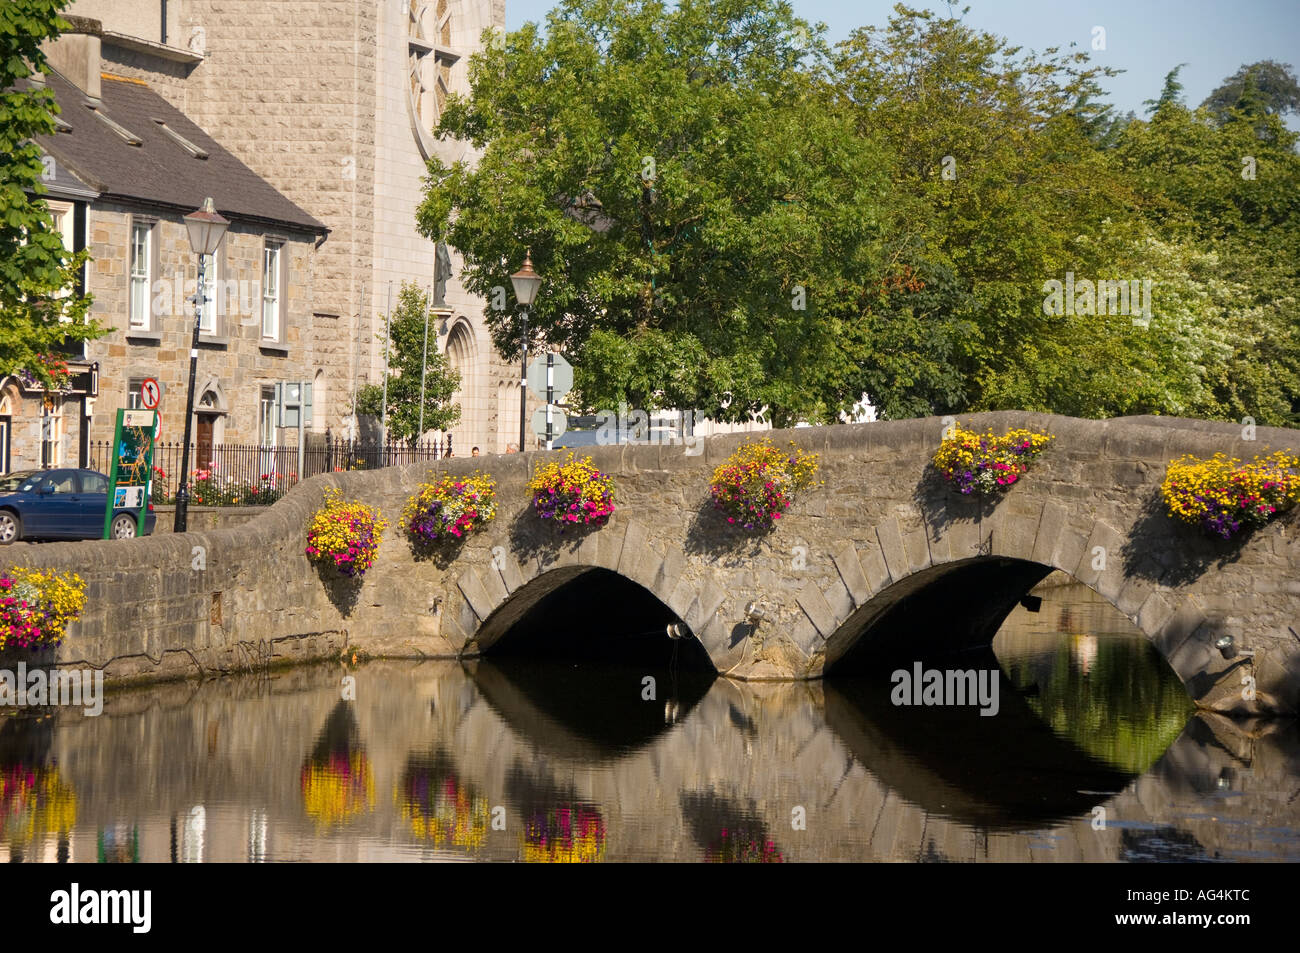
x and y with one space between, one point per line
332 103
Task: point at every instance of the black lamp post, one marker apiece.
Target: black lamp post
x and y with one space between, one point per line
526 282
206 228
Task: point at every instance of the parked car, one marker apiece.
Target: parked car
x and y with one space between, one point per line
61 504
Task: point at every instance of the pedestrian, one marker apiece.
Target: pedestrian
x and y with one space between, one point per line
474 452
512 448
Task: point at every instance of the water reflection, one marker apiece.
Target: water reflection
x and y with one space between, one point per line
511 761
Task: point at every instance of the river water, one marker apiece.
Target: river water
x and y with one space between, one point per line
1094 753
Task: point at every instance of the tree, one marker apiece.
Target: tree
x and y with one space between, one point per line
703 216
407 358
1170 95
1274 89
40 309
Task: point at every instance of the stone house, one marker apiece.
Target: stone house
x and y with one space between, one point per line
123 169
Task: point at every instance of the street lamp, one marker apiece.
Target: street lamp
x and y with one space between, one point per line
206 228
526 282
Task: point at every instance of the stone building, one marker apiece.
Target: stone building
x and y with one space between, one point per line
123 169
333 104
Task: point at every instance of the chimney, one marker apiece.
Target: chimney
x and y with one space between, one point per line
75 54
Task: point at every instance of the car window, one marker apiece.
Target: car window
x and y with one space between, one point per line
92 482
62 481
24 481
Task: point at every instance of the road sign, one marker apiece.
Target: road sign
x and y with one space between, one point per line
559 423
562 377
150 394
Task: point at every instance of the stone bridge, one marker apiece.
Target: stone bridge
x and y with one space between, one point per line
880 565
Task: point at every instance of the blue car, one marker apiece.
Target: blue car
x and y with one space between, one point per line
61 504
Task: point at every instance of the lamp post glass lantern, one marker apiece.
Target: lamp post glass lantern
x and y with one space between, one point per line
526 282
206 227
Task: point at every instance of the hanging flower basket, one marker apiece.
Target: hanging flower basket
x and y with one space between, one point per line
985 463
758 482
450 509
572 493
37 605
344 535
1225 497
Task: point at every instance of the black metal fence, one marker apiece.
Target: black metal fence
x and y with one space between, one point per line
251 475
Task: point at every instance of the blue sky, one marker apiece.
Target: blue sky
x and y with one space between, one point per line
1147 38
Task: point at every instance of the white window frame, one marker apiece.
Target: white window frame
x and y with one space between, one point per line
140 316
133 399
53 457
272 291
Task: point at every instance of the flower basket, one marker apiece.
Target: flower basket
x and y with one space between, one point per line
1225 497
37 605
757 483
572 493
450 509
344 535
985 463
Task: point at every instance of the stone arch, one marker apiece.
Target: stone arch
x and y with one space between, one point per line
1001 558
487 598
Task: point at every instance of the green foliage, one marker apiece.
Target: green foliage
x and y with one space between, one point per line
731 216
403 350
1267 85
38 311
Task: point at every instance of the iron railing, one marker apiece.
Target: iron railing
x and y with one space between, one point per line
226 474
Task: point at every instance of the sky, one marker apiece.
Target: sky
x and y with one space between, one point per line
1146 38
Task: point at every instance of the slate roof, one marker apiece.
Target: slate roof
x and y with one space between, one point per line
159 171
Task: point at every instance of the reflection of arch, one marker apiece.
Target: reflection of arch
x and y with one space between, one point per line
954 762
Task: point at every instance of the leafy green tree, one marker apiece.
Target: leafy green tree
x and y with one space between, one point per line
40 310
407 357
706 219
1275 90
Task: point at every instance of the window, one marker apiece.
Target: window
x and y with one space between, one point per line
271 291
133 401
93 482
65 226
266 418
211 277
141 259
52 432
62 482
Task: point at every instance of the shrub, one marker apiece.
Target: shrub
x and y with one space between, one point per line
572 492
1224 497
452 508
986 463
757 483
344 535
37 605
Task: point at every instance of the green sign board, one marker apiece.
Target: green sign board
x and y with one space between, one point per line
130 478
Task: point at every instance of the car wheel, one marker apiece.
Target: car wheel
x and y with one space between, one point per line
11 527
123 527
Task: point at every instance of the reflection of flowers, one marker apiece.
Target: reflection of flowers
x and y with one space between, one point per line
441 807
742 847
571 834
338 788
35 801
